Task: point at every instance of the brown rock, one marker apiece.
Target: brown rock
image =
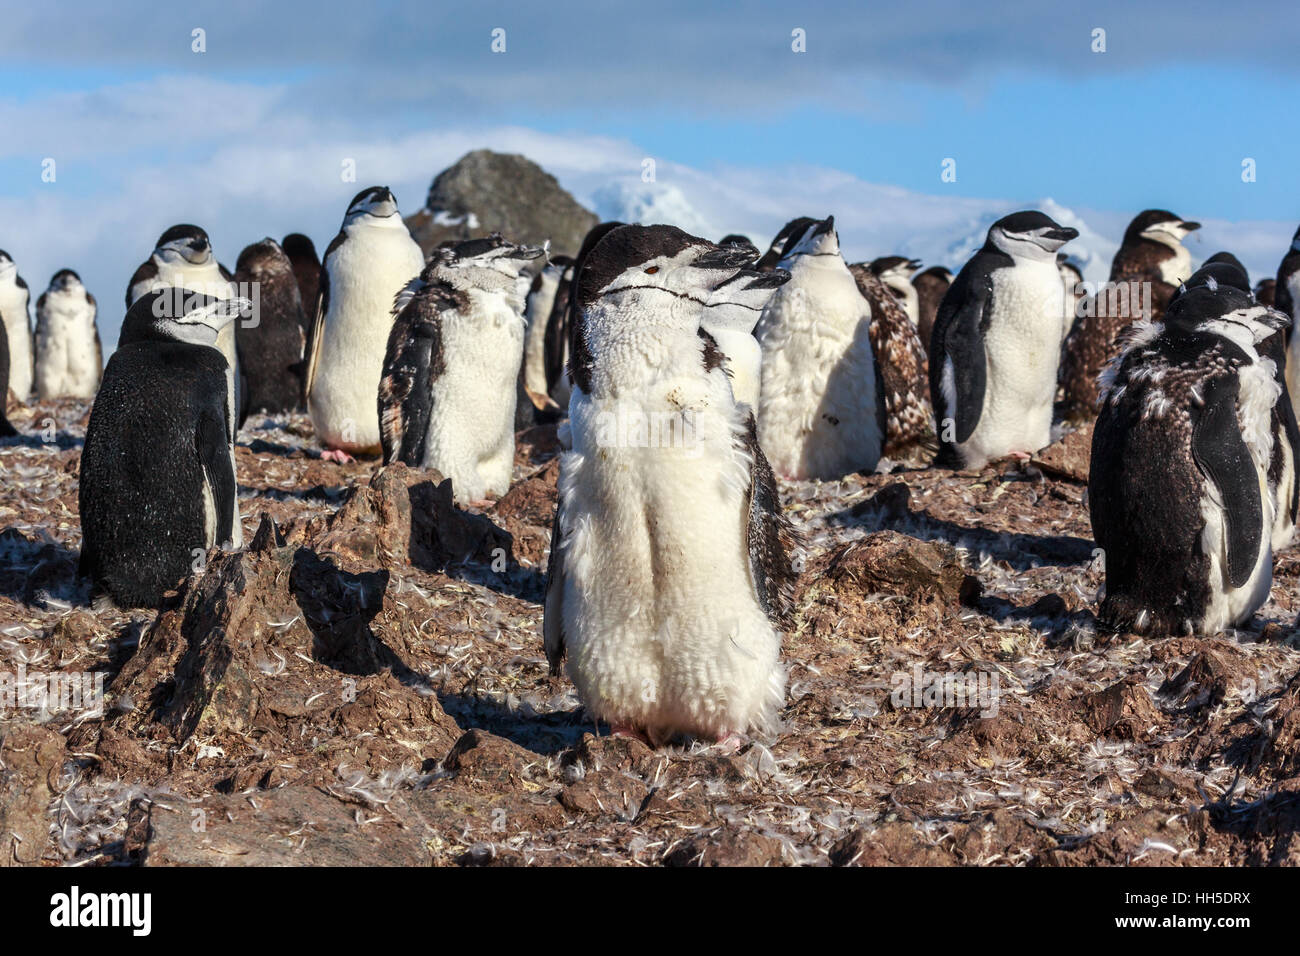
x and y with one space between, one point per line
1203 682
1123 709
898 564
1069 458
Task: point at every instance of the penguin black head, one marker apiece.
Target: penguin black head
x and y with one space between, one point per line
264 258
1029 234
377 202
1159 225
184 242
895 271
790 231
736 239
738 301
1224 311
491 264
818 238
644 261
65 280
1266 292
297 246
936 274
1226 269
179 315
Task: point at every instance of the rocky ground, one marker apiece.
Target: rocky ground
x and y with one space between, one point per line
365 684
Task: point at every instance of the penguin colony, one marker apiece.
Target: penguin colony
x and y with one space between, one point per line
686 378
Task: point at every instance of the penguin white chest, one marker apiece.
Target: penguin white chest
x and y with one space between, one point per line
67 363
1022 349
13 310
663 626
817 402
366 272
471 436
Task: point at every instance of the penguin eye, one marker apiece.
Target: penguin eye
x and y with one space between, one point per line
652 270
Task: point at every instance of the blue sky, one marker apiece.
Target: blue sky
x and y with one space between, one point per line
247 138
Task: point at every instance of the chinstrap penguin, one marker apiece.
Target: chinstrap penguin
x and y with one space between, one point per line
730 314
1148 267
447 393
818 411
537 313
69 354
902 372
157 483
996 345
931 286
272 341
669 566
896 273
1178 490
369 262
15 301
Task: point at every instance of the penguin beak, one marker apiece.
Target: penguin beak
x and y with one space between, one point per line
772 279
729 258
825 226
1275 320
1189 226
528 253
1062 233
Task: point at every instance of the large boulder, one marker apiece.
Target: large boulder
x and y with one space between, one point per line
486 192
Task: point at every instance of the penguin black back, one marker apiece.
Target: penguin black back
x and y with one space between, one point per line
157 482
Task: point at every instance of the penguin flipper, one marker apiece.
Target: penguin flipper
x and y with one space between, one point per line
553 608
962 321
214 456
412 361
769 536
1222 456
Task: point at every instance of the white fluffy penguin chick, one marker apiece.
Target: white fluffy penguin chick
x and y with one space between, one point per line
669 562
69 356
732 311
817 414
369 262
447 395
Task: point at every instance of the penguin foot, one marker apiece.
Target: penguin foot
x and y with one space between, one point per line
729 743
627 730
336 454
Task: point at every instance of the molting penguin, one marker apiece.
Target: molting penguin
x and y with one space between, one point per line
818 415
559 330
15 298
669 566
997 344
896 273
447 393
369 262
1178 490
931 286
902 372
790 233
1223 271
69 355
272 342
1148 267
157 479
730 314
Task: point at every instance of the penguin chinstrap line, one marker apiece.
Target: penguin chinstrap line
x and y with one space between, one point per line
366 265
448 390
157 484
818 414
1178 491
669 567
15 300
996 346
69 354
